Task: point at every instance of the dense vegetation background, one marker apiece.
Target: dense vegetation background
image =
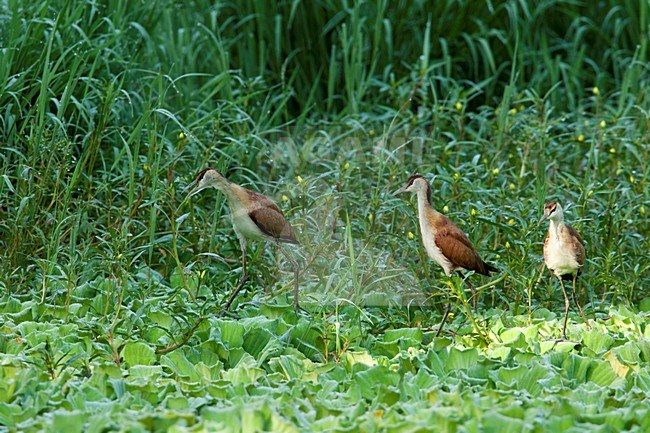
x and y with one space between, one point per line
113 286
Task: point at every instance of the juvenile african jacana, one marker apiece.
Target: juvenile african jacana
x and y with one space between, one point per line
254 217
445 243
564 254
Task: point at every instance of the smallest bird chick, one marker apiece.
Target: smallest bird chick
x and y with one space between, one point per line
564 254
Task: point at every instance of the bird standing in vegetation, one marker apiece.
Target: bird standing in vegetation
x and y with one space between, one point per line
564 254
445 243
254 217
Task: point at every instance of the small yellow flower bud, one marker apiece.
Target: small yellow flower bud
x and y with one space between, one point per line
507 244
371 132
590 193
619 171
511 187
612 150
299 179
511 221
581 138
512 111
456 176
632 179
410 235
642 210
459 106
495 171
445 208
181 136
472 212
596 91
346 166
603 124
285 198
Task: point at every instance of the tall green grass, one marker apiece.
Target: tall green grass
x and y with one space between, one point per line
110 109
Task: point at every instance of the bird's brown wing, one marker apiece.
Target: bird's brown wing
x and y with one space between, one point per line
578 245
458 249
268 217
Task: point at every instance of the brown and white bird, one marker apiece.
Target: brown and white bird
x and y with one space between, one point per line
445 243
564 254
254 217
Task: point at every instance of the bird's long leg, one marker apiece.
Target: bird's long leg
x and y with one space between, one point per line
473 290
244 276
575 299
566 307
296 269
444 318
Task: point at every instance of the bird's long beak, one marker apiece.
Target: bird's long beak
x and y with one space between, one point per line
193 188
399 191
542 219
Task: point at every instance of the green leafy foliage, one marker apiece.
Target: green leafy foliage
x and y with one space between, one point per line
113 283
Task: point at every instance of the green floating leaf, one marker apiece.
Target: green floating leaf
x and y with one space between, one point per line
255 341
414 334
602 374
246 372
138 353
290 366
629 353
461 359
618 368
65 421
528 377
149 372
232 333
597 341
8 414
495 422
178 363
576 367
642 381
363 357
374 378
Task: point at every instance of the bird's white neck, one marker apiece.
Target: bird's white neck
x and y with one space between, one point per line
554 228
424 206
